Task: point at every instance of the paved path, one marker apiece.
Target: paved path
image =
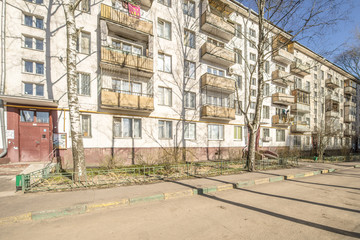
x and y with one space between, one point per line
325 206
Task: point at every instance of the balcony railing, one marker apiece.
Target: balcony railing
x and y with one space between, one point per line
127 100
217 26
300 127
217 112
217 82
331 114
332 83
349 104
282 78
282 120
349 132
283 56
218 55
332 97
300 69
126 60
300 108
349 118
124 19
350 90
283 99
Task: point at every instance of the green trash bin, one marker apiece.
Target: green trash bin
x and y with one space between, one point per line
22 179
19 182
315 159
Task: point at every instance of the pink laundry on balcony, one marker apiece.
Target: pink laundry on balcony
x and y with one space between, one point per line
134 10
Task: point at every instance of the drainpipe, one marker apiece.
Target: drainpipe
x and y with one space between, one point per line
2 87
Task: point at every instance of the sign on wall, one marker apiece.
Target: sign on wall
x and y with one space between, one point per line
10 134
60 140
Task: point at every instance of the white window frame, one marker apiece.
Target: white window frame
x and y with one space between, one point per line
34 67
189 38
132 130
280 135
165 59
82 116
166 131
163 91
220 132
161 29
165 2
186 8
34 89
82 36
190 69
190 131
80 81
188 100
238 133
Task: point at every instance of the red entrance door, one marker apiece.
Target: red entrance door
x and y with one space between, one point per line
34 136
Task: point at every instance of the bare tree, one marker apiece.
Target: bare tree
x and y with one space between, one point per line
349 59
301 20
76 135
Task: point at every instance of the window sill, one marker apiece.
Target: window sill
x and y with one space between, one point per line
34 49
33 27
35 74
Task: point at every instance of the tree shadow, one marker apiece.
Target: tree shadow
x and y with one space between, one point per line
321 184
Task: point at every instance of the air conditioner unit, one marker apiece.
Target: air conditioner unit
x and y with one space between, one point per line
231 71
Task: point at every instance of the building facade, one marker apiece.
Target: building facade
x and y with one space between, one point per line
160 76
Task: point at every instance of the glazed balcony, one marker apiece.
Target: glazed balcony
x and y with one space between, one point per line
217 55
348 117
125 21
217 26
332 83
282 78
349 132
300 108
283 99
217 112
332 97
281 121
332 114
350 90
300 69
283 56
217 82
121 61
349 104
126 101
300 127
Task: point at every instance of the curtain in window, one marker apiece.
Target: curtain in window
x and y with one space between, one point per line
117 127
137 128
127 127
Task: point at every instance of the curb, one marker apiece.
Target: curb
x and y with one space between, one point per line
356 166
85 208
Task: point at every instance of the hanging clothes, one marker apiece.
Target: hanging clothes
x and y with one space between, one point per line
134 10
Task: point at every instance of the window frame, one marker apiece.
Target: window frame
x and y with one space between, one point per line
167 135
220 136
132 130
164 62
82 126
186 129
80 83
164 28
188 95
79 45
162 96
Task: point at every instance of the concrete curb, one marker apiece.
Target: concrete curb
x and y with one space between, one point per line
84 208
356 166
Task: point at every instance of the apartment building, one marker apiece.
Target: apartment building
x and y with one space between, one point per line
161 75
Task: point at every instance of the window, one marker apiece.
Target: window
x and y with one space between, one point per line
322 74
253 81
189 38
27 116
238 56
164 63
165 2
83 43
252 116
33 43
83 84
253 92
165 129
190 130
190 100
252 56
266 89
33 21
280 89
35 1
252 44
238 31
280 135
297 140
86 125
237 132
215 71
127 47
189 8
266 132
267 67
34 89
252 105
125 86
33 67
315 76
127 127
215 132
190 69
215 42
266 112
164 29
238 81
84 6
252 68
307 87
252 32
307 141
165 96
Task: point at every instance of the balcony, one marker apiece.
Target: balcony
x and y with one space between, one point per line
281 121
217 112
332 114
349 104
300 127
146 3
121 61
300 69
350 90
349 118
349 132
300 108
217 83
124 101
283 56
283 99
332 83
124 23
217 55
217 26
282 78
332 97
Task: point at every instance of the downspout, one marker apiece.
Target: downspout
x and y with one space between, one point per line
2 87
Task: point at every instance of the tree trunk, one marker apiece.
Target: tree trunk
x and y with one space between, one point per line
73 101
251 150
